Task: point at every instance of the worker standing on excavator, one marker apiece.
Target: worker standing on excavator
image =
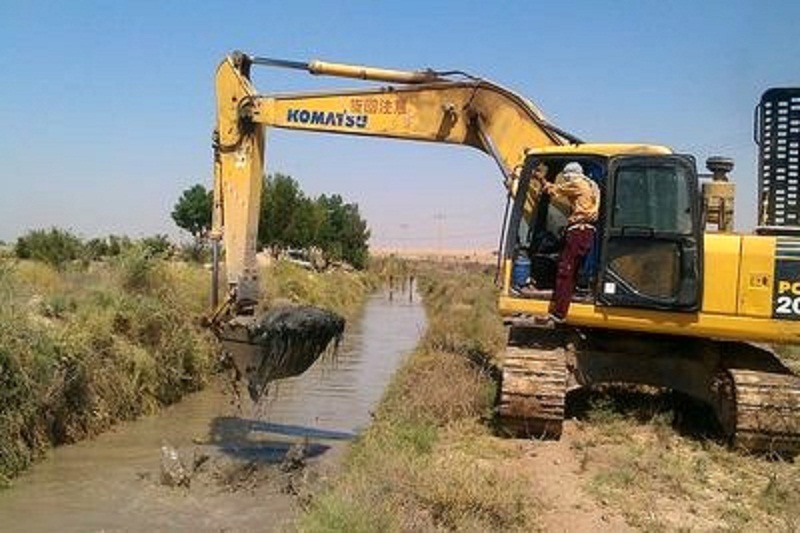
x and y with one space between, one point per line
583 197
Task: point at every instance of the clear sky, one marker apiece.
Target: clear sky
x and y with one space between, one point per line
106 108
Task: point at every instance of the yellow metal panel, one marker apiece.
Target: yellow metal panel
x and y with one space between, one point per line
605 149
507 266
756 276
443 112
721 258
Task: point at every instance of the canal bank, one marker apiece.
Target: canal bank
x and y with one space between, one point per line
251 466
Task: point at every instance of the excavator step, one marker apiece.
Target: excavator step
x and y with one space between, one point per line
532 392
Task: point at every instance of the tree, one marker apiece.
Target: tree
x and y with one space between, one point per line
289 219
344 234
193 210
354 236
280 224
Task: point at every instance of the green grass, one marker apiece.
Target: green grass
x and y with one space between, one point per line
429 460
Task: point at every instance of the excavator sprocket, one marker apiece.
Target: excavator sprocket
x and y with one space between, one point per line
763 410
532 391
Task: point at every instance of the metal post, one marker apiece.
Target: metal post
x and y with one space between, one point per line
214 273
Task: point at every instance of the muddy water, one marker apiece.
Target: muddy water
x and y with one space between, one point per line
243 481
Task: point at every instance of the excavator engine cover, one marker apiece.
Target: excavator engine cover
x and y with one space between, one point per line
281 343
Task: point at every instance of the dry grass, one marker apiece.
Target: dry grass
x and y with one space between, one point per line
429 461
663 479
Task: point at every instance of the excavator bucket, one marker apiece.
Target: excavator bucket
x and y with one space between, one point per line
281 343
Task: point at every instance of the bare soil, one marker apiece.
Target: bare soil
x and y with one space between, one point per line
559 479
655 464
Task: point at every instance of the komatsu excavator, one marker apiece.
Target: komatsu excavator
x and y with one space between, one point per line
663 300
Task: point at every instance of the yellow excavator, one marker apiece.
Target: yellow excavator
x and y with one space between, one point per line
663 299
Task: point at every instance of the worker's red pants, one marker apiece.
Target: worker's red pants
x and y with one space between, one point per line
578 243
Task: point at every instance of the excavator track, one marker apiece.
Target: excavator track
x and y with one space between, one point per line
760 411
532 392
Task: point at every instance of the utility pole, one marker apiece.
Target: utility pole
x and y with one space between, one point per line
440 218
403 239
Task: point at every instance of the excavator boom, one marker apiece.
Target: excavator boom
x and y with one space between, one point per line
429 106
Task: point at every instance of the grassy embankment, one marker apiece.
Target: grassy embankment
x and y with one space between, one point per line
338 290
83 347
429 459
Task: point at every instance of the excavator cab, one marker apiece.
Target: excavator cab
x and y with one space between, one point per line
653 235
648 245
543 222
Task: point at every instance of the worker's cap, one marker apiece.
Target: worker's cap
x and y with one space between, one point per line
572 170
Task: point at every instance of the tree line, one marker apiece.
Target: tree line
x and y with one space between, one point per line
289 219
59 247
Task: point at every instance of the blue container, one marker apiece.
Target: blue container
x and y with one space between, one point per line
521 272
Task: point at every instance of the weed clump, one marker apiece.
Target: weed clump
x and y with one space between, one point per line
336 290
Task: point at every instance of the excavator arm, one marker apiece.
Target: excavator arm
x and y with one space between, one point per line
442 107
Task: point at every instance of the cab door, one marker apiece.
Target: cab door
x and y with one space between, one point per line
652 243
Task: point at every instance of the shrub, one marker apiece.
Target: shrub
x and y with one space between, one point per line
54 246
195 252
96 248
80 351
157 245
139 269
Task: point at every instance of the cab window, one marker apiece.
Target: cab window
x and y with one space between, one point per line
654 198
